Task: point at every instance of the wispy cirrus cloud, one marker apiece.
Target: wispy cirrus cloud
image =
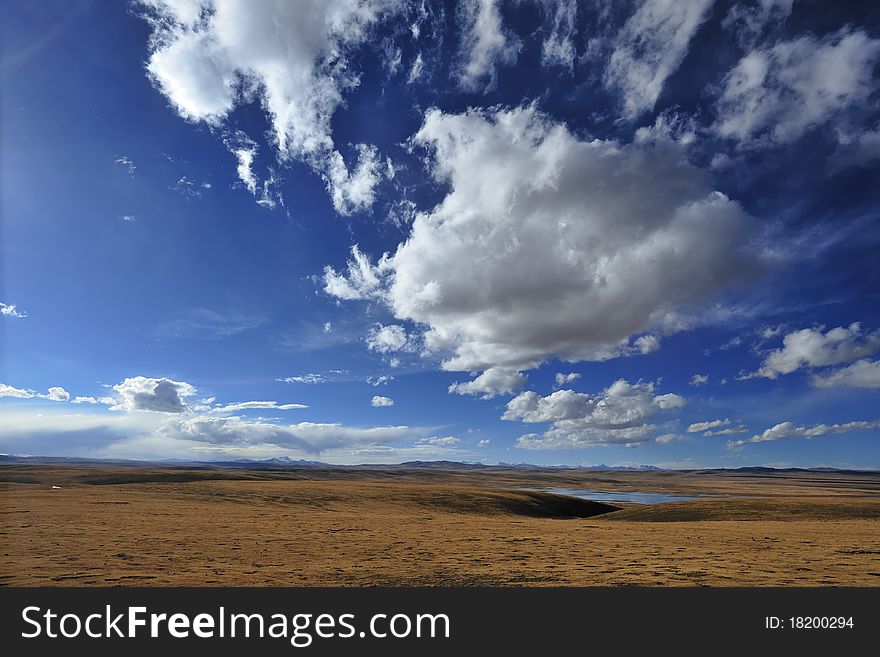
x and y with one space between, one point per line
205 323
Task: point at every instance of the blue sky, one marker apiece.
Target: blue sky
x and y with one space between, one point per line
498 231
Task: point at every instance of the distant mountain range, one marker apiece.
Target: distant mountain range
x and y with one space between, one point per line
286 462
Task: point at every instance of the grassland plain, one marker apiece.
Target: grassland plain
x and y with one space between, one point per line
444 525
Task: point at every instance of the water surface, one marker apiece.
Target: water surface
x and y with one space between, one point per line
618 496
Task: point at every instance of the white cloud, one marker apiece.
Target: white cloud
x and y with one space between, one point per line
126 162
666 438
445 441
163 395
310 437
189 188
378 401
201 437
494 381
561 378
699 379
861 374
310 378
394 362
813 348
649 48
244 149
7 390
749 20
856 150
364 281
10 310
382 380
645 344
416 70
128 218
327 328
484 442
697 427
248 405
669 400
210 56
486 45
208 324
620 414
791 430
558 46
776 94
729 431
386 339
353 191
601 226
84 400
58 393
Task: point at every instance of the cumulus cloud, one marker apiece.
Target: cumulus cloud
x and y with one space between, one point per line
57 393
861 374
10 310
714 428
602 227
382 380
445 441
649 48
494 381
7 390
776 94
620 414
209 56
728 431
386 339
699 379
163 395
697 427
812 348
791 430
378 402
486 45
485 442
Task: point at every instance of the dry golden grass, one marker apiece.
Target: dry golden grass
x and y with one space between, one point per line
139 526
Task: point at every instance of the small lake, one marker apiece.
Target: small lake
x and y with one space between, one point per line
618 496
